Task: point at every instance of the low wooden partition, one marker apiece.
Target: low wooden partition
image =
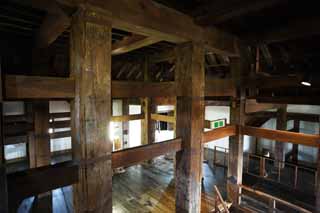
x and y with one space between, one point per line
40 180
282 136
131 156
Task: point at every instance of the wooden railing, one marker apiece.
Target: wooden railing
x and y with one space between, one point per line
279 165
272 200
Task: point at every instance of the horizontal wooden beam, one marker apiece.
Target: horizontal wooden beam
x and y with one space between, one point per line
302 100
60 124
219 87
131 156
60 115
40 180
126 89
8 140
122 118
131 43
62 134
219 133
148 18
35 87
164 118
282 136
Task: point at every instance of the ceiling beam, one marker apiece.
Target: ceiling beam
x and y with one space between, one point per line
131 43
148 18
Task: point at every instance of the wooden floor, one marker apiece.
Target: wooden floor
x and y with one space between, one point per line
143 188
150 188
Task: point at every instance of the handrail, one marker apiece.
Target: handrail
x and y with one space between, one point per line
273 198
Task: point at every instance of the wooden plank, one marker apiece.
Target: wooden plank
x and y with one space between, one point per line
41 139
131 43
190 78
60 124
219 87
219 133
303 100
131 156
149 18
60 115
27 87
16 139
42 179
62 134
282 136
122 118
164 118
90 55
125 89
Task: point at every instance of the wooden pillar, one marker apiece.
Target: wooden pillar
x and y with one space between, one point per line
3 176
39 150
235 162
40 145
279 154
149 107
189 76
91 66
317 206
295 147
125 124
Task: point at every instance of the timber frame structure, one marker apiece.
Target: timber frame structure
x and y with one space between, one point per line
90 86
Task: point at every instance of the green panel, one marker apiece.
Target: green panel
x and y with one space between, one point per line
221 123
216 124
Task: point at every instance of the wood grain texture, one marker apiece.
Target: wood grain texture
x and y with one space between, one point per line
164 118
281 124
41 138
189 76
220 87
219 133
125 89
91 110
122 118
237 117
131 43
131 156
40 180
148 18
27 87
282 136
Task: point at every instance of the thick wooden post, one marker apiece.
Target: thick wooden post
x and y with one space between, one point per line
39 150
91 66
235 162
317 206
39 147
295 147
3 176
125 124
279 154
189 76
